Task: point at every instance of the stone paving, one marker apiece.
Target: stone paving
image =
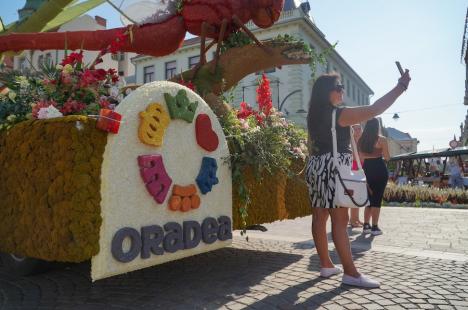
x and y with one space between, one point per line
276 270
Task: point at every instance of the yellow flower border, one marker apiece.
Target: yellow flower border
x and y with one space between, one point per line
50 188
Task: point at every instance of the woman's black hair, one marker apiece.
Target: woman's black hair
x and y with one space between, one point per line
369 136
319 102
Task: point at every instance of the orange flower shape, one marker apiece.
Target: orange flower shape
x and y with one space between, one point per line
184 198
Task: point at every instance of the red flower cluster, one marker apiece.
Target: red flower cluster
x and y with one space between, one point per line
118 43
264 96
72 106
246 111
73 59
188 84
104 103
94 76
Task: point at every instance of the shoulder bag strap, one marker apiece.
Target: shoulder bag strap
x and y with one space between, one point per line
333 130
354 148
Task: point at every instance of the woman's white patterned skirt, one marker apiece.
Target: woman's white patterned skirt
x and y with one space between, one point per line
321 177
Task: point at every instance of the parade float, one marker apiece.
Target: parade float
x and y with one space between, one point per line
164 174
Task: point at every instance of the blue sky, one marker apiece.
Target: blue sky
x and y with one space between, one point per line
424 35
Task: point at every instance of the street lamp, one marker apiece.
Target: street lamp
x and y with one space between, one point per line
396 117
280 106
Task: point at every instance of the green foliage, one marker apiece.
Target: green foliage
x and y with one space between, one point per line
236 39
15 106
268 145
316 57
205 79
180 6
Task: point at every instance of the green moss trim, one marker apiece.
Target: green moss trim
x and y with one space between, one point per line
50 188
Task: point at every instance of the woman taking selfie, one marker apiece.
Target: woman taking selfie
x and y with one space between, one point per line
327 95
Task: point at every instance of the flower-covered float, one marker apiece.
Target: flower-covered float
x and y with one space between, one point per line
157 191
166 174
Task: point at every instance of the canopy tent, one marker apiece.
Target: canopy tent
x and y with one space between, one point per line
405 164
463 150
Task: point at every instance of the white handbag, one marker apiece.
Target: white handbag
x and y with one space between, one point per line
351 186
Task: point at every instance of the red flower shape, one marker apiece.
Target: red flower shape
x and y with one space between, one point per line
264 96
72 59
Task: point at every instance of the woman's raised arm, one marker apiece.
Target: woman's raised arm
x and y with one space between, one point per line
353 115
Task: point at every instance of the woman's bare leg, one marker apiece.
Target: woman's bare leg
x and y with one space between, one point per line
367 215
339 217
354 217
375 216
319 233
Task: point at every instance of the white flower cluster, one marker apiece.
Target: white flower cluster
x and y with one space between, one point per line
49 112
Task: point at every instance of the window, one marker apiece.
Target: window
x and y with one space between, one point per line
328 66
359 97
171 68
118 56
40 61
193 61
148 74
354 93
48 59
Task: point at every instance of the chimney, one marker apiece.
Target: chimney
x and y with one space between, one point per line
101 21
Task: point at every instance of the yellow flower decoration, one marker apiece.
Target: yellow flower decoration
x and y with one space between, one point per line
154 122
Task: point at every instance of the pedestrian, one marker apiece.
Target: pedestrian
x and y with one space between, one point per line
456 178
354 221
372 147
327 95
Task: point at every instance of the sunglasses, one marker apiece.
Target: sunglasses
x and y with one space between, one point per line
339 88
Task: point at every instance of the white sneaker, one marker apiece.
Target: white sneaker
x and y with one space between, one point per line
361 281
328 272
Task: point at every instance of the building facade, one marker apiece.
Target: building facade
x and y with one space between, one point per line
34 59
291 85
400 142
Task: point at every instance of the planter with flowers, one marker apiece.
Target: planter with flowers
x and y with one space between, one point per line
419 195
267 153
51 151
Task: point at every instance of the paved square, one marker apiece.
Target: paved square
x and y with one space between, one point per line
277 270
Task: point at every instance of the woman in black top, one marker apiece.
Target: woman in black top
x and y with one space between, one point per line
373 148
327 94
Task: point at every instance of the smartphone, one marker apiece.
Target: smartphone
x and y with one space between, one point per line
399 67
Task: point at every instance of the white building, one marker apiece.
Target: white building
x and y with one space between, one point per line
120 62
291 86
400 142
